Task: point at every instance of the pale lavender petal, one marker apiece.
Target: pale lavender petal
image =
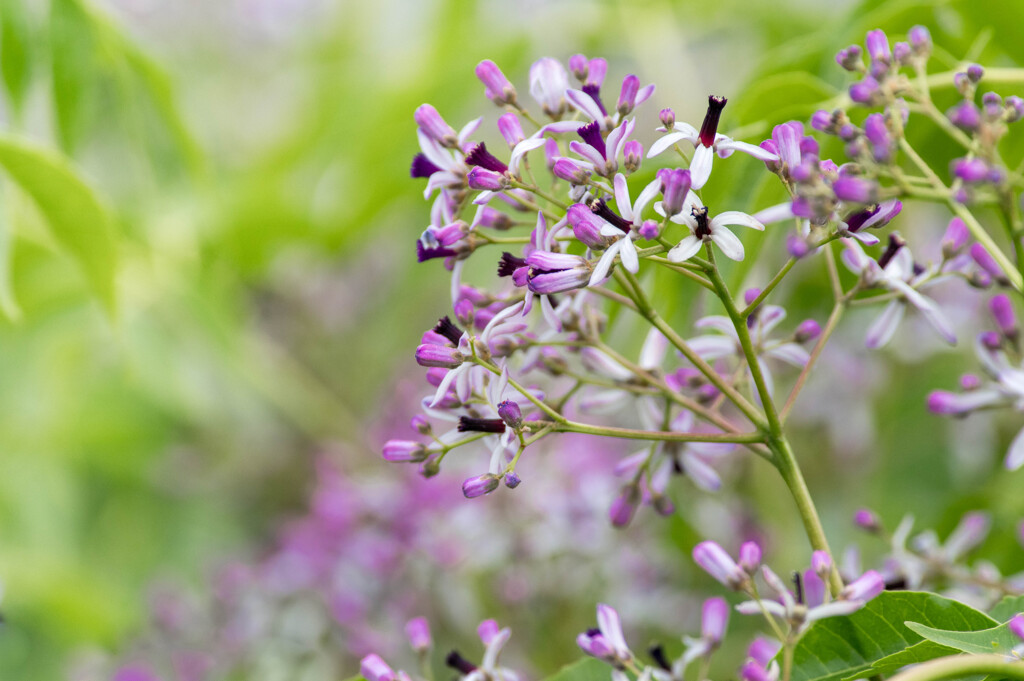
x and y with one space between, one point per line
468 129
703 475
585 103
882 329
1015 457
646 194
521 149
865 238
747 148
628 255
776 213
586 151
790 353
735 217
622 199
605 264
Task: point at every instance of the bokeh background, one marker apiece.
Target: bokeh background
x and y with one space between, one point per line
197 371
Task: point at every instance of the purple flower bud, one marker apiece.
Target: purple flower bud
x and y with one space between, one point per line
920 40
971 169
418 631
420 424
649 230
442 356
945 403
633 153
821 563
1002 312
510 128
464 312
434 127
970 382
866 587
594 643
675 184
627 97
586 226
548 83
511 414
404 450
965 116
750 295
750 557
480 178
822 121
877 132
570 171
559 281
579 67
753 671
497 87
479 486
855 189
551 152
985 261
487 630
990 340
373 668
719 564
955 238
762 650
1014 109
878 45
624 506
796 246
849 58
864 91
512 480
993 105
901 53
1016 625
715 618
597 69
975 73
971 531
807 330
667 118
866 519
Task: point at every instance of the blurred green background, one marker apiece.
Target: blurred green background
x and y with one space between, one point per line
206 262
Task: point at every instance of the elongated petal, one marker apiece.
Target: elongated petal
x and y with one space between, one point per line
882 329
703 475
776 213
646 194
605 264
700 166
1015 457
728 242
747 148
585 103
735 217
663 143
520 150
790 353
712 347
865 238
628 255
617 138
685 249
622 199
588 152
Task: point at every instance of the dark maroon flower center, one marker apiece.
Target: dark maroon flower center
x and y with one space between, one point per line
700 214
709 128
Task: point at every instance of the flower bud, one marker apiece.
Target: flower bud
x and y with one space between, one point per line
955 238
404 450
625 505
867 520
479 485
511 414
511 129
985 261
865 91
633 153
441 356
435 127
1002 312
667 118
488 180
850 58
866 587
714 619
878 46
920 41
821 563
719 564
855 189
579 67
420 424
750 557
807 330
512 480
975 73
496 86
675 184
570 171
418 631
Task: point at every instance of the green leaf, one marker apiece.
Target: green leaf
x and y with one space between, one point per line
783 96
1007 608
587 669
15 51
995 640
75 216
843 647
919 652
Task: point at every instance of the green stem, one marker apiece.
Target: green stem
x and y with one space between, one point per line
963 666
652 435
826 333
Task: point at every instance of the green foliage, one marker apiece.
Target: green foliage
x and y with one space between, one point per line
995 640
587 669
846 647
1007 608
15 51
75 217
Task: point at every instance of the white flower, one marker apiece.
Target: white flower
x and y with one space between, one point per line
703 230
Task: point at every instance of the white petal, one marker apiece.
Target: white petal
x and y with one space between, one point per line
604 264
712 347
790 353
446 382
688 131
735 217
766 374
769 317
622 199
549 313
628 254
521 149
703 475
663 143
728 242
747 148
585 103
685 249
776 213
700 166
559 127
648 193
653 352
586 151
457 280
1015 457
881 330
617 138
938 320
864 237
719 323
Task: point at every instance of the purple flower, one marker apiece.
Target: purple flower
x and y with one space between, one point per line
955 238
965 116
404 450
442 356
418 631
632 95
707 142
557 272
877 132
867 520
750 556
479 485
855 189
864 588
984 259
601 155
373 668
878 46
548 83
497 87
719 564
511 414
434 126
